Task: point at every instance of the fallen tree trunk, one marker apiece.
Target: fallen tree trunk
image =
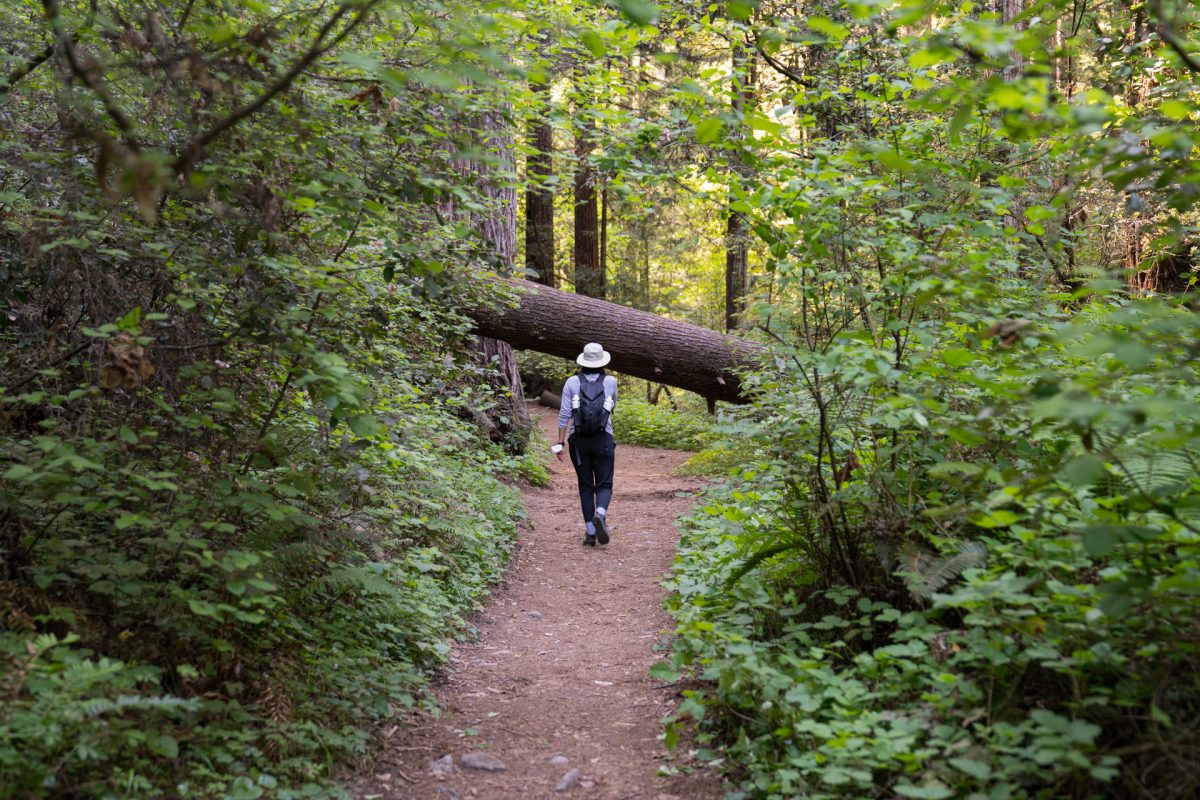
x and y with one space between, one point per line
643 345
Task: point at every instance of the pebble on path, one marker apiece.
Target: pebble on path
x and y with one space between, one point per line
568 780
442 766
560 761
483 761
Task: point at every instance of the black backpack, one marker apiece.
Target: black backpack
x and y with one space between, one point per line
591 417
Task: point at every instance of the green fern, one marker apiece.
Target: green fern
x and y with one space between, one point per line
356 580
1158 472
927 573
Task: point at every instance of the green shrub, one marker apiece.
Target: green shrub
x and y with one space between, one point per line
261 619
728 455
1027 624
637 422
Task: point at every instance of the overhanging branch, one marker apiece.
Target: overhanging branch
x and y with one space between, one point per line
195 148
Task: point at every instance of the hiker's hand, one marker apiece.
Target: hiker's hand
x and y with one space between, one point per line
559 455
558 451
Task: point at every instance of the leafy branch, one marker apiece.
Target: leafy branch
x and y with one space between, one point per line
195 148
87 73
1168 35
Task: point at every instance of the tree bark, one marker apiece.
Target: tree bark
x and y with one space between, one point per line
539 199
643 345
1009 10
589 275
737 267
737 229
604 230
498 227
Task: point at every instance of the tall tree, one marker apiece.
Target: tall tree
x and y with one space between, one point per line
497 227
539 197
589 272
737 230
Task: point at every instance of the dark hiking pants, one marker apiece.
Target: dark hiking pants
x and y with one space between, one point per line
593 458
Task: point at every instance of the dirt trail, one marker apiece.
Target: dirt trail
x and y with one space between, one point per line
560 668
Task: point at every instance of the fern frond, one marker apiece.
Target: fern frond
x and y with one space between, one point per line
1159 472
929 573
365 580
762 555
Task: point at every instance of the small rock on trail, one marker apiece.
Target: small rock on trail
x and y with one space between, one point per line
482 761
567 782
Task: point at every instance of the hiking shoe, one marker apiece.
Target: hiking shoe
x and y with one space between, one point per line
590 540
601 529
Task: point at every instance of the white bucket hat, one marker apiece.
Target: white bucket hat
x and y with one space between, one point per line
593 355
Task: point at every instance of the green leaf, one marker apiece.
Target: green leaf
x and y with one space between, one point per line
1160 716
365 425
663 671
131 320
1116 604
833 30
638 12
1099 540
931 56
709 130
740 9
962 116
1084 470
929 791
976 769
958 357
761 122
17 472
670 736
592 41
1000 518
163 745
1175 109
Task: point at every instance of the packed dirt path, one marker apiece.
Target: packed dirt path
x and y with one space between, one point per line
557 680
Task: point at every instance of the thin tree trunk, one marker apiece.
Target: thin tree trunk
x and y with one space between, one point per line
604 230
539 199
737 230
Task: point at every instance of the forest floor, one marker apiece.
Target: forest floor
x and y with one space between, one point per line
555 690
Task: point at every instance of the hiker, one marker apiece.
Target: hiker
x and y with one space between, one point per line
587 403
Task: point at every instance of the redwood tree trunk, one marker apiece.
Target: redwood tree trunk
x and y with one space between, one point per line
643 345
498 226
539 200
589 275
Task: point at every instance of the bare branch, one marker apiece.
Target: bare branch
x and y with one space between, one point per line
1167 34
29 66
790 74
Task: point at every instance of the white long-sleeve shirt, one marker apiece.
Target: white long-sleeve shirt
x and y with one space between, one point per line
571 389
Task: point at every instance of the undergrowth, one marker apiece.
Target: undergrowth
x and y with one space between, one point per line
637 422
1020 622
178 623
